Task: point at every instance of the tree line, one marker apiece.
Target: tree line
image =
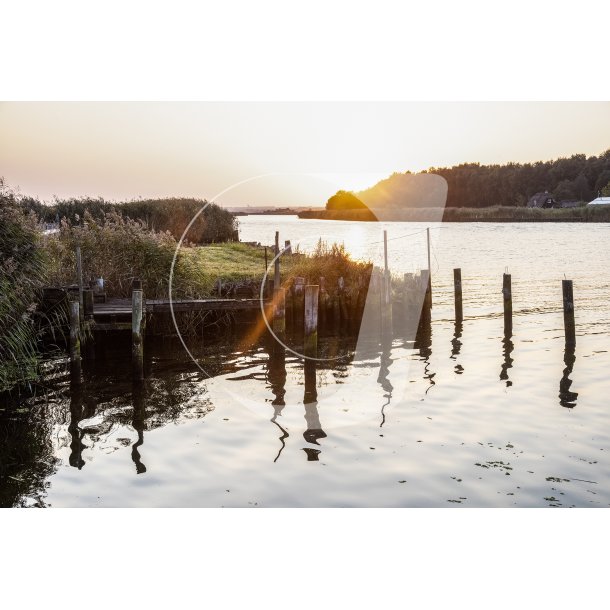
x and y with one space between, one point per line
472 185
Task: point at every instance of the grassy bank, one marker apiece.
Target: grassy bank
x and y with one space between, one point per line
487 214
119 249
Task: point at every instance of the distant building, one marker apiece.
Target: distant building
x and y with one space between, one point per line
541 200
600 201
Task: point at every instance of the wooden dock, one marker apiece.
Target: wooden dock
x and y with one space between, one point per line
116 314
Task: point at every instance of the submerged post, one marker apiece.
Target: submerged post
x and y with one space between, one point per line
507 295
457 285
276 277
79 279
75 361
137 343
310 340
568 312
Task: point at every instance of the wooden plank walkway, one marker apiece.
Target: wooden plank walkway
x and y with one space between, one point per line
122 307
115 314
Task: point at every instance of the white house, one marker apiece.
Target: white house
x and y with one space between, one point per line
600 201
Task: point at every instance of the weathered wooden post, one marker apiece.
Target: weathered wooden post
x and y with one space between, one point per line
276 276
568 312
75 360
426 281
279 313
322 304
386 298
137 330
310 326
507 294
428 243
79 279
88 303
457 285
287 247
266 263
298 303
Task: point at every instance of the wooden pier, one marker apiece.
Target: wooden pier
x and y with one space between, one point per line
115 314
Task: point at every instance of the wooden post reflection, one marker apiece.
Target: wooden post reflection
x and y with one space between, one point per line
423 342
567 398
139 415
76 416
314 427
456 345
507 349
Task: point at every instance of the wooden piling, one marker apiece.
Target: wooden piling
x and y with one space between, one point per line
568 312
79 280
75 359
88 303
310 326
507 295
386 304
298 304
426 315
457 286
137 342
276 276
322 304
279 313
428 244
287 247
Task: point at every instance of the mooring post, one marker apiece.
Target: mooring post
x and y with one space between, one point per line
457 285
322 304
298 303
386 312
279 313
79 279
426 280
568 312
310 340
507 294
75 361
276 277
88 303
428 243
137 342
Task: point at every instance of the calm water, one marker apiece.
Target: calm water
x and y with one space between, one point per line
462 417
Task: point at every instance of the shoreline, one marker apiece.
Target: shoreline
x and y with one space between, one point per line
597 214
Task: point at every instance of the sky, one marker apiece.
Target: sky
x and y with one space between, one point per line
273 153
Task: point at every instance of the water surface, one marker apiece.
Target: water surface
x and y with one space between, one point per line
463 416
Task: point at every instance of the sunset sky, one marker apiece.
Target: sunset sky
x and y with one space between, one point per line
127 150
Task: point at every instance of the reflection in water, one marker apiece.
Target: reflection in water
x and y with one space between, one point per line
456 345
77 414
276 380
566 397
507 349
423 342
383 377
139 415
310 400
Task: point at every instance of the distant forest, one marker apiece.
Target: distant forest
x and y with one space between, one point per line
472 185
